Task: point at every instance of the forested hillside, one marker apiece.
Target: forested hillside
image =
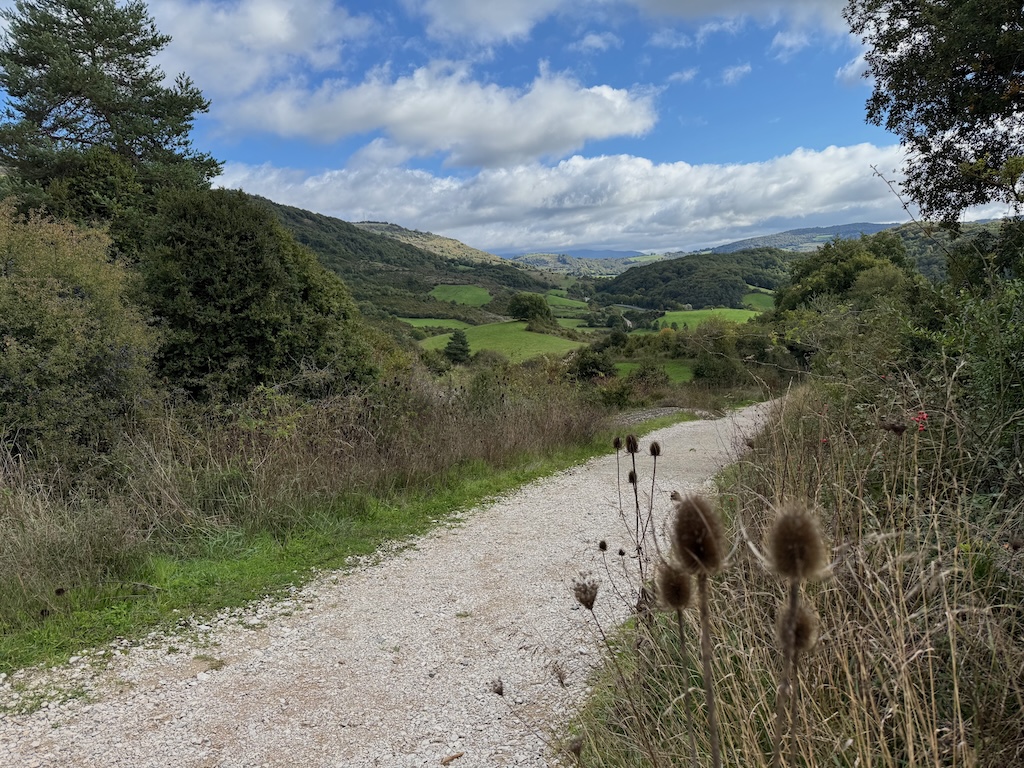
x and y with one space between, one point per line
698 279
393 276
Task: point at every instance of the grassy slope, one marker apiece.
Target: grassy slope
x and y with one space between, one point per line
510 339
679 372
424 322
397 277
698 316
759 301
470 295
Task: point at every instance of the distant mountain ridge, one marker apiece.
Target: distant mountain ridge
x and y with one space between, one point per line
575 253
806 239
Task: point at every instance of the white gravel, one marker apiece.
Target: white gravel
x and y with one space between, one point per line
389 664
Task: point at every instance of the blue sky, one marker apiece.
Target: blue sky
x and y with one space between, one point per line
520 125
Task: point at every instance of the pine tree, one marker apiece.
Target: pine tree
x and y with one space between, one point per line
457 349
89 122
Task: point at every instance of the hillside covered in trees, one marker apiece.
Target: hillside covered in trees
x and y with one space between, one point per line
396 277
698 279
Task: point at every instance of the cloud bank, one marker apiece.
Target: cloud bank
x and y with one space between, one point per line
616 201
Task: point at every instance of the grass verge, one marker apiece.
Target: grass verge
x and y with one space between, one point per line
232 567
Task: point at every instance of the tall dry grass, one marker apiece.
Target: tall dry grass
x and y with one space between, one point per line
268 465
920 658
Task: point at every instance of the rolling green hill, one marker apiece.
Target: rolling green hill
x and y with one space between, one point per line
698 279
394 277
510 339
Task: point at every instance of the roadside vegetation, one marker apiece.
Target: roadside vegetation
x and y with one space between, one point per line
853 593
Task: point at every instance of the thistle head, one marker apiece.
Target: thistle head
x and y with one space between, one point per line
585 590
673 586
632 444
632 477
795 545
617 443
805 628
697 535
655 449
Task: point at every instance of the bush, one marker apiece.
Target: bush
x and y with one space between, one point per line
75 353
240 303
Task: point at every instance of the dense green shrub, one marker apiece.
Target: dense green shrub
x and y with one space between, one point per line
240 303
74 353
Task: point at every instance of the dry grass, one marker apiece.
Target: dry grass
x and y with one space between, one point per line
265 466
920 660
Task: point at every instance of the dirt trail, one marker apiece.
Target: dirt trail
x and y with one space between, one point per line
391 664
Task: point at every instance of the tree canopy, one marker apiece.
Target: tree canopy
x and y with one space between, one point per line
949 81
530 306
87 108
861 271
239 302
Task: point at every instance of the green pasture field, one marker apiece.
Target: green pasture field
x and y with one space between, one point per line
434 322
759 301
679 372
470 295
510 339
695 317
557 301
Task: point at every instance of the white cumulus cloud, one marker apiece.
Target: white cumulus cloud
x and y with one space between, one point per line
491 21
233 47
618 201
441 109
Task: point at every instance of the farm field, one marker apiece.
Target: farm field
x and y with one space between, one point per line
434 322
557 301
679 372
510 339
470 295
695 317
758 300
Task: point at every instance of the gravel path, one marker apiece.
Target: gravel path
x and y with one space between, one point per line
391 664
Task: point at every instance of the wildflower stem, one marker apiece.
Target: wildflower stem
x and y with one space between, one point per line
788 656
705 653
686 688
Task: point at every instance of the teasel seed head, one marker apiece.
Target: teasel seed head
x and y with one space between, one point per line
655 449
632 444
805 628
585 589
617 443
602 545
697 535
673 586
622 552
795 545
632 477
575 747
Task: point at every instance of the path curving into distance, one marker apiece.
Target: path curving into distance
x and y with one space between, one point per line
390 664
